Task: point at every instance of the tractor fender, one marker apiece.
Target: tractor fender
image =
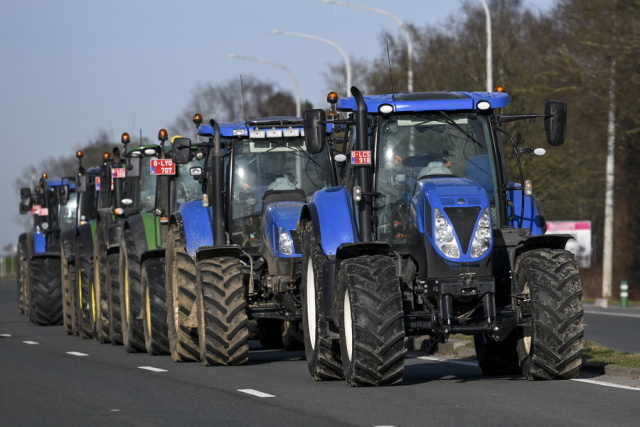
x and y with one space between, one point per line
547 241
332 214
280 215
196 225
86 233
39 242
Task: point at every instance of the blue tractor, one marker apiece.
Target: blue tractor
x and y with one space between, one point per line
53 205
426 235
233 258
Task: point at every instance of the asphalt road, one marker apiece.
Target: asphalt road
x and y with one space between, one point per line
614 327
50 378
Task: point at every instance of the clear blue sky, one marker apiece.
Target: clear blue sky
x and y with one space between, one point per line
70 67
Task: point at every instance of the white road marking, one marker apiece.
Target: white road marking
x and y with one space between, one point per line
30 342
5 335
151 368
606 384
613 314
255 392
76 353
590 381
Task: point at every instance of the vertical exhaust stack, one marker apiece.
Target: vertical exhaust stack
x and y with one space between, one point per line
364 175
217 188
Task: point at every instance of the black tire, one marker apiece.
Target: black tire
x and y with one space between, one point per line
254 331
222 312
45 291
371 321
321 345
113 298
156 336
100 300
181 295
497 357
130 295
86 297
550 347
292 335
270 333
67 276
23 276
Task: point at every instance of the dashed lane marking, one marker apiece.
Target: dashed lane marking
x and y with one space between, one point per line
151 368
605 384
30 342
612 314
255 392
76 353
5 335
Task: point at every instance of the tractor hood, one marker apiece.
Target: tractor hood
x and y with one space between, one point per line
279 226
455 216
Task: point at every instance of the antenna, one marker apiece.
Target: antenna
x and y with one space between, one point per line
244 104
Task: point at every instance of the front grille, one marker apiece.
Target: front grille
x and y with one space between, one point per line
463 221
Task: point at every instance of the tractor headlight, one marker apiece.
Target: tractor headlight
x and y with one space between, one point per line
445 240
285 242
483 236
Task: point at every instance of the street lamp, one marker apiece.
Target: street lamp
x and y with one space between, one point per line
397 21
329 42
489 47
275 64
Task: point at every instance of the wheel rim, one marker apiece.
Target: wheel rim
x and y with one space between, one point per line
147 308
526 339
348 325
311 304
126 293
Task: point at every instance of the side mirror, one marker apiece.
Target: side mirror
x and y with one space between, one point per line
63 194
26 201
181 153
82 183
555 122
315 130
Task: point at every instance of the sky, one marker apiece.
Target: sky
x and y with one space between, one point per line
71 67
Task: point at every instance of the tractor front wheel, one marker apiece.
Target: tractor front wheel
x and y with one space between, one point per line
156 337
550 347
371 321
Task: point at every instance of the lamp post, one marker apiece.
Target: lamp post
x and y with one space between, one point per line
330 43
489 47
276 64
397 21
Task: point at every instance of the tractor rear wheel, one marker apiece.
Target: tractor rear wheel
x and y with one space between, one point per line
67 273
46 291
497 357
156 339
181 295
100 300
23 276
270 333
130 295
292 335
321 346
551 345
371 321
86 304
221 311
113 299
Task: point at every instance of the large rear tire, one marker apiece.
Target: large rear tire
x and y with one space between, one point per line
86 303
67 275
221 311
113 311
497 357
130 295
321 345
371 321
181 294
551 345
45 291
156 336
23 276
100 300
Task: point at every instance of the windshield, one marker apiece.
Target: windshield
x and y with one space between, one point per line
279 165
434 144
